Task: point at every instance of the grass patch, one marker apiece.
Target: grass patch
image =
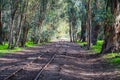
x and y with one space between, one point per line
81 43
30 44
113 59
97 48
110 55
4 48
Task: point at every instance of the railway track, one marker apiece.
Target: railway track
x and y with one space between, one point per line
59 61
12 75
38 75
45 66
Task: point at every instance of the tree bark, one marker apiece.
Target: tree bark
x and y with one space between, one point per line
24 35
96 26
84 25
83 33
95 31
18 33
112 33
108 45
10 43
72 22
89 25
1 39
70 32
13 9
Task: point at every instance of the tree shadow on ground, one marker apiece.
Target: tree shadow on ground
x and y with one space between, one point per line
73 63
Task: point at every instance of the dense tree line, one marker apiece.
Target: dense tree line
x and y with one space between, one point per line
18 18
38 21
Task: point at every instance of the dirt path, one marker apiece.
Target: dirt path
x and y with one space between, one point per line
70 63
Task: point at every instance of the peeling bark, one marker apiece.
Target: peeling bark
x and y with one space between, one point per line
112 34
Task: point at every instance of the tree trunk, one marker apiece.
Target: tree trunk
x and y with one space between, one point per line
24 36
108 45
10 43
72 23
1 39
95 31
89 25
70 32
112 33
112 39
96 26
83 33
13 8
18 31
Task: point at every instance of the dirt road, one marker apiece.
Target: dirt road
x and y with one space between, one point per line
70 62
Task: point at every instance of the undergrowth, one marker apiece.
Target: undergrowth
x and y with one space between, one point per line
4 48
111 58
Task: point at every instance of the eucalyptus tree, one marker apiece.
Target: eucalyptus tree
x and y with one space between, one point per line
1 1
89 26
95 25
83 10
2 4
86 19
40 15
17 19
111 31
23 5
98 16
72 19
13 9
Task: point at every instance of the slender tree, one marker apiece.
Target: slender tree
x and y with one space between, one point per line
1 39
96 23
89 25
13 9
21 20
72 20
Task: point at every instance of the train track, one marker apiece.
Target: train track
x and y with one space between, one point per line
40 72
12 75
45 66
38 77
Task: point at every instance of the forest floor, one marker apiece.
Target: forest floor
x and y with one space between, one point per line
71 62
